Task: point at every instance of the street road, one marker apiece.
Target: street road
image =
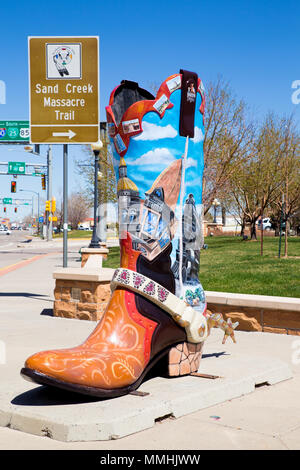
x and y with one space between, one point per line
21 246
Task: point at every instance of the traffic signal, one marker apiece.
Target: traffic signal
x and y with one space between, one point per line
43 181
13 187
53 205
16 209
47 208
4 209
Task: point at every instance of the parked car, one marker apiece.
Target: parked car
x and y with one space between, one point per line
267 225
4 230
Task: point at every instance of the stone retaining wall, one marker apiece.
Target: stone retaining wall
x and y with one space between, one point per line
258 313
84 300
86 294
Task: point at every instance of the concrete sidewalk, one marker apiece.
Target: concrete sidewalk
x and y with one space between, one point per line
268 418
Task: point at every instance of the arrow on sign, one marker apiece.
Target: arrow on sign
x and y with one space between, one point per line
69 134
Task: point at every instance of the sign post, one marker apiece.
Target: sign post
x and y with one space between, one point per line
64 98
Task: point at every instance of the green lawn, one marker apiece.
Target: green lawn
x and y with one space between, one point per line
75 234
232 265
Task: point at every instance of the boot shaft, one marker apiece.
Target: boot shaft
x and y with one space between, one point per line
159 185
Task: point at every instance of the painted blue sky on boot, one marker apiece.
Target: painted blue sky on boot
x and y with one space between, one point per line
150 152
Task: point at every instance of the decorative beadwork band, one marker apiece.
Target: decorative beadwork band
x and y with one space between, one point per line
194 322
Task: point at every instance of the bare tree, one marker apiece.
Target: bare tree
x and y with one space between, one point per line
259 182
288 198
107 186
227 141
27 219
77 209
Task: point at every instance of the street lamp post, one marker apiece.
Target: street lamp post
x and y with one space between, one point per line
215 204
96 149
49 192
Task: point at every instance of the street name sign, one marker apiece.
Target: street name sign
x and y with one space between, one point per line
14 131
64 89
16 168
7 200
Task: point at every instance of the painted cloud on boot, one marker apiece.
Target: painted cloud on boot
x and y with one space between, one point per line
155 132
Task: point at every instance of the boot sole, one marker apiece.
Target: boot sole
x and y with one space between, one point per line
42 379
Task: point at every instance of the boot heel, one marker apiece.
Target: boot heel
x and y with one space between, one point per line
184 358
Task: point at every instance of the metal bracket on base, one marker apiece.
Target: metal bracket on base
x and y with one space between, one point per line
139 394
205 376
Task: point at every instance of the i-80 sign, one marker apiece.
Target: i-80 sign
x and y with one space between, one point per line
14 131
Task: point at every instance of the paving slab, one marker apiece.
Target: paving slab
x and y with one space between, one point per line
267 418
66 417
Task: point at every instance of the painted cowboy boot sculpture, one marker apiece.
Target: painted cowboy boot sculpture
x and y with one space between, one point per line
157 308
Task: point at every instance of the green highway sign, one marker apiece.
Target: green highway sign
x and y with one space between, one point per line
14 131
16 168
7 200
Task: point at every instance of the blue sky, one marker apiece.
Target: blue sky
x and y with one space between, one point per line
253 44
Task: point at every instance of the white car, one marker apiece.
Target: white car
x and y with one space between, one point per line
4 230
266 224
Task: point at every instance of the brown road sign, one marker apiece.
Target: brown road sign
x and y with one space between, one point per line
64 90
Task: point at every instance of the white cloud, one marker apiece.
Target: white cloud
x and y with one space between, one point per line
198 135
190 162
155 132
161 156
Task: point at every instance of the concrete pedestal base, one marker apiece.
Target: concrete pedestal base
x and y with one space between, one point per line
94 256
68 417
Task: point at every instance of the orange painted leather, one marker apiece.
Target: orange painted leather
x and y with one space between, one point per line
116 352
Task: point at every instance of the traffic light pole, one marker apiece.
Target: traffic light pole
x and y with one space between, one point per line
65 207
38 208
38 195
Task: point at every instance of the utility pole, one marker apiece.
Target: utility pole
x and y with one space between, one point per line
49 192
